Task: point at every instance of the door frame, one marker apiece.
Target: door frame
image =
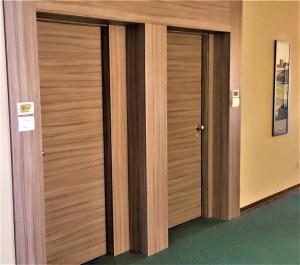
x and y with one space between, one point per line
23 85
215 97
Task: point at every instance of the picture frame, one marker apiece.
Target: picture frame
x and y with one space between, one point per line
281 88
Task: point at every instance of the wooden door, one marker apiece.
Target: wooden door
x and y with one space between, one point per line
72 135
184 115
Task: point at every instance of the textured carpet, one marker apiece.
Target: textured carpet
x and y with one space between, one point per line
269 234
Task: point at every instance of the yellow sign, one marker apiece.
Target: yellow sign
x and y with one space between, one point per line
25 108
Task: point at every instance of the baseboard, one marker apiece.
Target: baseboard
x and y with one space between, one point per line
269 198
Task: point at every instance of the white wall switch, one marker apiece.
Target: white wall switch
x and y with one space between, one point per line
235 102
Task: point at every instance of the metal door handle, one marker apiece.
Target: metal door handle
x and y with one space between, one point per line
200 127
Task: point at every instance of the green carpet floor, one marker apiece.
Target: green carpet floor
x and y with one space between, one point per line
269 234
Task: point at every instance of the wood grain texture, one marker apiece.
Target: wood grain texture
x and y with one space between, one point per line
221 62
107 141
27 166
20 20
206 195
136 122
210 127
147 132
225 64
212 15
184 115
235 113
118 102
72 123
156 136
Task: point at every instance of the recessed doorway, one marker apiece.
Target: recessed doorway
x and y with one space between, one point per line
184 57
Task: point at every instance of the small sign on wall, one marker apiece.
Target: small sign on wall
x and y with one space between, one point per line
26 123
25 108
26 120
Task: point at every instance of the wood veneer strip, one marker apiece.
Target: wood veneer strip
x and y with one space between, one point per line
156 137
211 15
235 113
206 138
27 167
136 117
146 95
221 60
210 126
107 140
118 102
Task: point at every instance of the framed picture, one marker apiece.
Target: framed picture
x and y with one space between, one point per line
281 88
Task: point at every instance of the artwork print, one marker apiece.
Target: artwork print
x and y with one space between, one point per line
281 88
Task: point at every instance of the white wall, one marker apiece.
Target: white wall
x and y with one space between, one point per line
7 253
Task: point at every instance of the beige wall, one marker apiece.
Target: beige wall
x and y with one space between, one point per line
268 164
6 212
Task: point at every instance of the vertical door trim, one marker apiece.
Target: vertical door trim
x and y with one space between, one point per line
135 85
147 137
27 165
221 62
156 136
109 202
118 185
206 139
235 113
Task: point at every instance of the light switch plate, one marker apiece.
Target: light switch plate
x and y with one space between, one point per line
235 102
